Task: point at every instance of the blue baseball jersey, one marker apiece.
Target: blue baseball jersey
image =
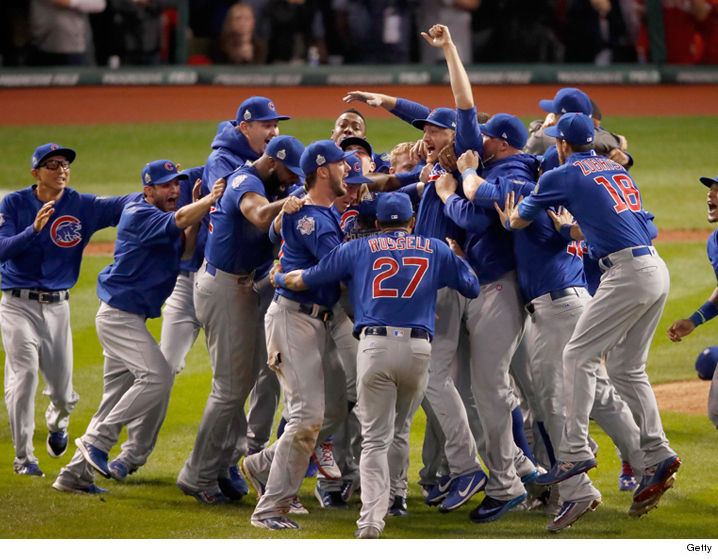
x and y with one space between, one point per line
602 197
230 150
307 236
488 246
393 278
712 249
234 244
431 220
193 263
146 261
50 259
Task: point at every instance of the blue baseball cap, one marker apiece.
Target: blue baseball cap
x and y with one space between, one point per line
288 150
46 150
575 128
441 117
506 127
706 362
393 206
355 172
568 100
708 181
357 141
318 154
258 108
160 171
367 206
550 159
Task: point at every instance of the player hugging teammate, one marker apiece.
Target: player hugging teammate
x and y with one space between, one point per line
458 252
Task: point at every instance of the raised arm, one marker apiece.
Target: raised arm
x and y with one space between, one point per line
439 37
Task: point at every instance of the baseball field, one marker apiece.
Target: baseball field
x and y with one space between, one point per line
671 131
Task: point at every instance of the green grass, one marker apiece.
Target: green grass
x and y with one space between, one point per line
149 505
670 154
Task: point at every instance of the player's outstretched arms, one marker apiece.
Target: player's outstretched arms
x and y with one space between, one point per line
439 37
386 102
194 212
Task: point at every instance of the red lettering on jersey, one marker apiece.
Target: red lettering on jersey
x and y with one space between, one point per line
391 243
575 249
393 267
410 242
383 245
422 265
373 245
583 167
401 243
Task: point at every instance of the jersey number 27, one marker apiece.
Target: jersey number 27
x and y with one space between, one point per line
389 268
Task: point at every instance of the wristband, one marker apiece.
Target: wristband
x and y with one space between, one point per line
279 280
704 313
507 224
565 231
468 172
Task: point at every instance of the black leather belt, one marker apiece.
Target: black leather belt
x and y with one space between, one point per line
419 333
43 297
638 251
315 311
557 294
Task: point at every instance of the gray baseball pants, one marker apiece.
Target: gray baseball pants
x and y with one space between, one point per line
620 321
296 343
392 374
36 336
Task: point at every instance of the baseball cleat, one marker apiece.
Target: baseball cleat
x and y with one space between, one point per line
627 481
530 477
56 443
570 512
324 457
329 499
462 488
118 470
368 533
92 489
251 477
656 480
296 507
492 509
398 507
275 523
204 497
234 486
348 488
564 470
29 469
439 491
94 457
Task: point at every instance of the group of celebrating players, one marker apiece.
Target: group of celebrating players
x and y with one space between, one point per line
470 290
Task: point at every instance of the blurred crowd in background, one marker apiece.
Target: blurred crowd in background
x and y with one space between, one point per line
144 32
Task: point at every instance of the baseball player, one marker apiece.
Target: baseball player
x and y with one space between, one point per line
351 123
706 365
43 231
684 326
232 292
296 339
180 329
623 314
393 279
237 142
151 239
573 100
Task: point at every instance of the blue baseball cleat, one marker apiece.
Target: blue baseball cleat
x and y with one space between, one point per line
56 443
564 470
235 487
95 457
492 509
656 480
438 492
118 470
462 489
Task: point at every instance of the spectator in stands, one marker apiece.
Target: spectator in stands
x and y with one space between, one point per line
238 43
290 24
60 31
681 20
137 28
456 15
